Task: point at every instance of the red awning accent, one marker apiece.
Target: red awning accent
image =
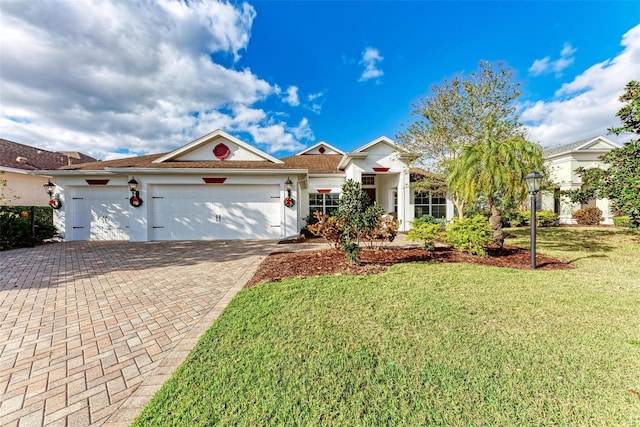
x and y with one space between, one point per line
381 169
214 180
324 190
97 181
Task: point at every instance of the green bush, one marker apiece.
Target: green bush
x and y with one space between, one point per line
622 221
523 218
517 218
547 218
15 226
425 232
469 234
424 219
588 216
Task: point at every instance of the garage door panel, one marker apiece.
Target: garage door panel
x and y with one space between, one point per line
100 214
216 213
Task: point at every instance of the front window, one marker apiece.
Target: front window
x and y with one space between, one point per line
325 203
430 204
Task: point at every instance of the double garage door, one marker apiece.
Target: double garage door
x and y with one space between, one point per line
214 212
184 212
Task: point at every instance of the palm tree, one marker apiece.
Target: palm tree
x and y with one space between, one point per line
494 168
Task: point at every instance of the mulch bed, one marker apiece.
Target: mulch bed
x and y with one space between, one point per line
283 265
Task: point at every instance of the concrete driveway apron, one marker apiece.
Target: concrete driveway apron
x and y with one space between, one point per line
90 330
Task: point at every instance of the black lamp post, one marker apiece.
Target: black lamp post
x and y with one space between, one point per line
534 179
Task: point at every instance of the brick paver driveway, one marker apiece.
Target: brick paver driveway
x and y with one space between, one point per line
89 331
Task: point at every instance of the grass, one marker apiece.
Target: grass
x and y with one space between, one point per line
427 344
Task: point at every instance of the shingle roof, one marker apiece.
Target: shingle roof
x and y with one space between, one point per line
20 156
315 163
319 163
566 147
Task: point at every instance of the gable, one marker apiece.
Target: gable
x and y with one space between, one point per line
217 146
597 145
320 148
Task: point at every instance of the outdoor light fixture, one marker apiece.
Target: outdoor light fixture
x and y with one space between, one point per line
288 201
289 186
135 199
49 187
54 200
533 180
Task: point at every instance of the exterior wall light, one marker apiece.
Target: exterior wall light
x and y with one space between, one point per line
54 201
288 201
135 199
533 180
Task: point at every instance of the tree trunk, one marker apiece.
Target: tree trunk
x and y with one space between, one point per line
495 221
459 204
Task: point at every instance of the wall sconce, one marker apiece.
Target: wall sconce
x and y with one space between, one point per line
54 201
135 199
289 186
288 201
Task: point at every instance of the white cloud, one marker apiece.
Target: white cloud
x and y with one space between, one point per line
371 60
546 65
104 76
586 106
292 96
315 102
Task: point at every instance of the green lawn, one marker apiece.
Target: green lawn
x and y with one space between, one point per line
438 344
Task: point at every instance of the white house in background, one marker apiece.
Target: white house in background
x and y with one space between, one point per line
562 163
219 187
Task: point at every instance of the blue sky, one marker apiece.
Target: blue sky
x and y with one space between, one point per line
122 78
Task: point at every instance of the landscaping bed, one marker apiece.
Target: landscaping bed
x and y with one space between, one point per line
283 265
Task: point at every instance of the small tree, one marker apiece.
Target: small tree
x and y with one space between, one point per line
460 112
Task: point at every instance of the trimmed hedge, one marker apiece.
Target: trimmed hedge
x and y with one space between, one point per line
588 216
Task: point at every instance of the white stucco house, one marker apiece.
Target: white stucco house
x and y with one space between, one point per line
562 162
221 188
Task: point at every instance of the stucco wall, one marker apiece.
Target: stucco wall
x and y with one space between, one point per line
29 188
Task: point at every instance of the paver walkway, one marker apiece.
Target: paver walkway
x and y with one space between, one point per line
89 331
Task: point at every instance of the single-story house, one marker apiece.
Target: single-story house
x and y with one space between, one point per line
18 161
219 187
562 162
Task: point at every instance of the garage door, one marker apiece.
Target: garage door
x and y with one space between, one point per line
100 213
215 212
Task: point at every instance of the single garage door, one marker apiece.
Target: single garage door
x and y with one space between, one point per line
100 213
215 212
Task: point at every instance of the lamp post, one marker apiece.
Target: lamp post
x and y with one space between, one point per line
534 179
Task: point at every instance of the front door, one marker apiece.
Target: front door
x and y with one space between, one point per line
371 192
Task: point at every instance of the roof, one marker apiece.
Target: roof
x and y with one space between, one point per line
148 162
566 148
19 156
316 164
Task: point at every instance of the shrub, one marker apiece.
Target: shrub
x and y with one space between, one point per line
329 227
622 221
427 233
469 234
547 218
517 218
588 216
15 226
424 219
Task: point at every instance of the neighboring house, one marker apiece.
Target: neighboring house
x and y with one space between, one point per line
18 161
562 163
219 187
